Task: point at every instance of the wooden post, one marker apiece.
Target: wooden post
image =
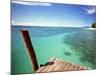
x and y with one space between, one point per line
30 49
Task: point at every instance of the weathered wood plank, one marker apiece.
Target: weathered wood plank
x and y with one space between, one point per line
60 65
76 68
43 67
50 67
71 67
40 69
66 66
53 66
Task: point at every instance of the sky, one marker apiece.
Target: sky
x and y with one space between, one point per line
52 14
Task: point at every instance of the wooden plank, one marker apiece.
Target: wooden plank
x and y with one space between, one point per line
40 69
58 66
71 67
76 68
53 66
67 66
62 67
50 67
43 67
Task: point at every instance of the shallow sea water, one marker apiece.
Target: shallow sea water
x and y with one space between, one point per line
52 42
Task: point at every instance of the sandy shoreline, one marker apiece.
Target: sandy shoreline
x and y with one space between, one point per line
91 28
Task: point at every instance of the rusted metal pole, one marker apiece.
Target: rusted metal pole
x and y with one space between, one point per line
30 49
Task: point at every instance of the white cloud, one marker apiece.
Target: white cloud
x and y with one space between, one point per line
20 23
32 3
90 10
47 23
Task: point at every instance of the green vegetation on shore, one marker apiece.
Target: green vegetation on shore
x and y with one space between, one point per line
93 25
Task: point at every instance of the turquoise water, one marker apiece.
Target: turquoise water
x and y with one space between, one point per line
70 44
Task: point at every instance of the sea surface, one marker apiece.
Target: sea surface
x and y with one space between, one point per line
75 45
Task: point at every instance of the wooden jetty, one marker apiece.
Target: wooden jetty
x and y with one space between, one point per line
53 65
60 66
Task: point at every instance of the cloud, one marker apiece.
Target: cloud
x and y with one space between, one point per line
48 23
20 23
31 3
90 10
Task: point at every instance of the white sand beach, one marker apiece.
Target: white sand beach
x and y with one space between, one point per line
91 28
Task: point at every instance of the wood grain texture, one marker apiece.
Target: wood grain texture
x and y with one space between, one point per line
60 66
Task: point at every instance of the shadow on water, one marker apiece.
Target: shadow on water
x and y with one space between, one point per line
84 42
66 53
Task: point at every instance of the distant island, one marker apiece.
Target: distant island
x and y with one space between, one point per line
93 25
